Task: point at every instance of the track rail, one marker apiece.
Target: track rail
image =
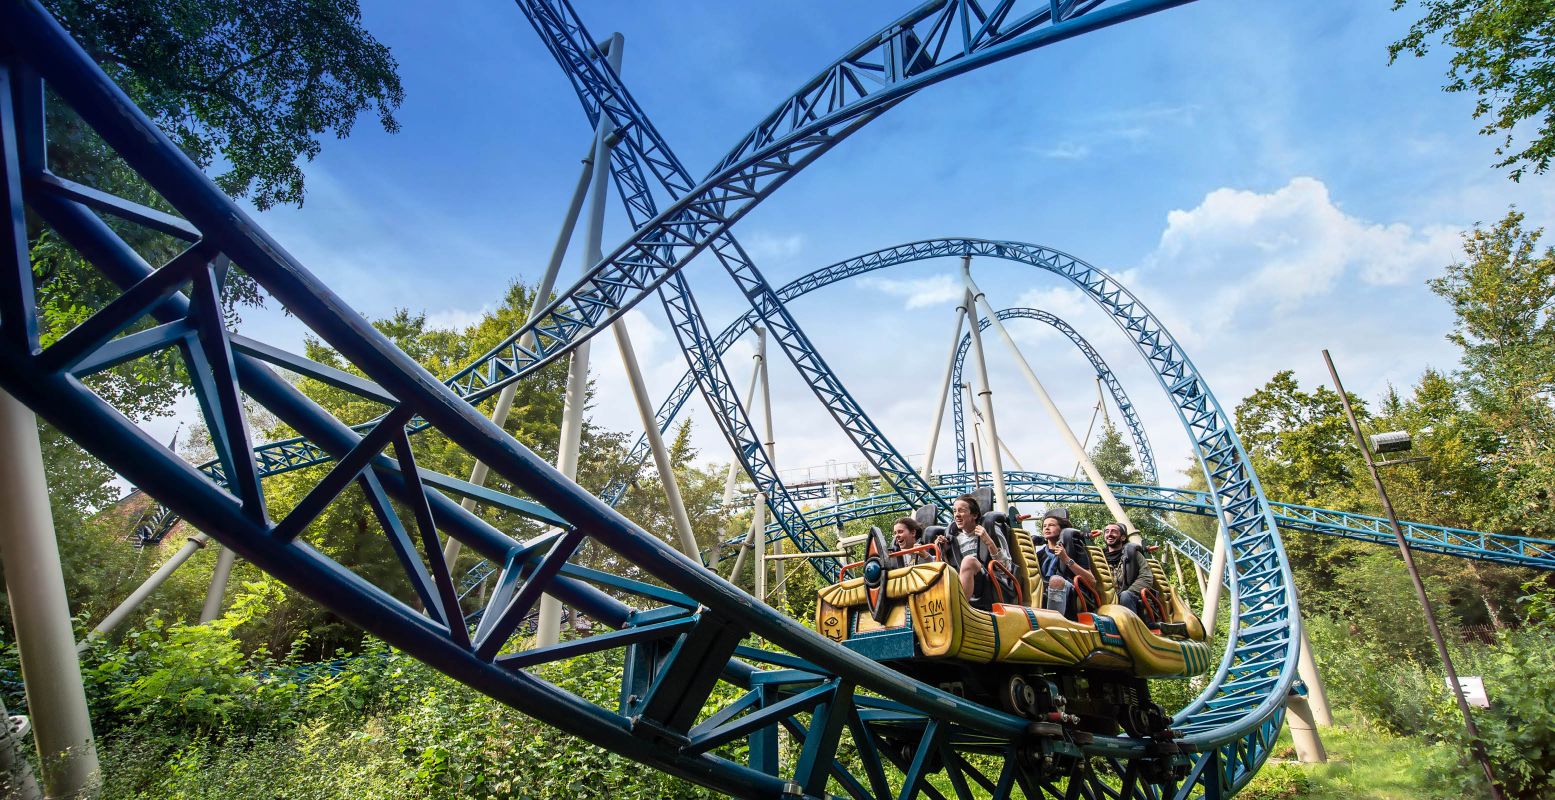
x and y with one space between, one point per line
1142 450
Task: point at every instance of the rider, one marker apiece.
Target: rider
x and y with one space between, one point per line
905 533
1064 558
971 547
1131 573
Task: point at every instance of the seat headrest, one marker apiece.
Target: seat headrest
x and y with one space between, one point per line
925 515
984 498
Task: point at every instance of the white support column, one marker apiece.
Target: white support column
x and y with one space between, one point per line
1317 694
1217 578
1303 730
548 630
944 394
40 611
974 439
117 616
661 456
16 779
217 593
734 466
504 406
769 444
1001 498
758 538
1097 480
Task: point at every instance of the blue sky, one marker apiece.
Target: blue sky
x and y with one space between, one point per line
1254 171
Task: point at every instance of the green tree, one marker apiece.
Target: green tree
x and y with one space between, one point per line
1503 51
254 84
1503 294
1299 442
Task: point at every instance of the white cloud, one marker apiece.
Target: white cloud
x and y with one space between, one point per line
1065 151
919 292
456 319
763 246
1290 245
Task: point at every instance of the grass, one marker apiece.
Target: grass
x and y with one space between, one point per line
1363 764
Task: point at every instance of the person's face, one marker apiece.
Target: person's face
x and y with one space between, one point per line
903 537
1114 535
1050 528
963 515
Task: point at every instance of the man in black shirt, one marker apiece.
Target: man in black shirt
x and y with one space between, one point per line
1131 572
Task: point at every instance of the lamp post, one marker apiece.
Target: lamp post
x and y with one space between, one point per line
1398 442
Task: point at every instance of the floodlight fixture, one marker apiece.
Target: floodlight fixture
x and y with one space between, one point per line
1391 442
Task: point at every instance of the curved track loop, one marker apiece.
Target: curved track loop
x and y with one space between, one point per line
936 41
1142 450
674 654
1249 687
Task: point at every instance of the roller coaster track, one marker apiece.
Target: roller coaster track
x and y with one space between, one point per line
1043 489
1142 450
693 633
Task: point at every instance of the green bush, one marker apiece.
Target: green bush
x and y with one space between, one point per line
1519 727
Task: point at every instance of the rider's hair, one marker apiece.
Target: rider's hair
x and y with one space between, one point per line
971 504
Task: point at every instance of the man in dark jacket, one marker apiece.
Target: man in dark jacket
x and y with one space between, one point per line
1131 572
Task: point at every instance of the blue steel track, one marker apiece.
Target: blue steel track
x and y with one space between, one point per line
679 639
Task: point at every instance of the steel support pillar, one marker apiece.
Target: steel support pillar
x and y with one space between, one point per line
661 456
1317 695
40 611
117 616
1303 731
1215 582
734 467
504 406
769 443
1107 497
548 631
1001 498
225 559
16 779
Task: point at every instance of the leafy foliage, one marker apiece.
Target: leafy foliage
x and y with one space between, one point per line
254 84
1503 51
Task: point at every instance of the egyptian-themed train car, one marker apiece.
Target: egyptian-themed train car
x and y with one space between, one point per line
1089 671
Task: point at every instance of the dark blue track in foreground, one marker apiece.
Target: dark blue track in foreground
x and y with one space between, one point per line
677 640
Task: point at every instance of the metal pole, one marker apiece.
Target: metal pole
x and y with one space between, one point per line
1303 731
117 616
973 444
218 590
1097 480
1099 410
1217 579
1476 745
40 611
944 392
504 406
985 395
759 546
770 445
1317 694
661 456
548 628
750 399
